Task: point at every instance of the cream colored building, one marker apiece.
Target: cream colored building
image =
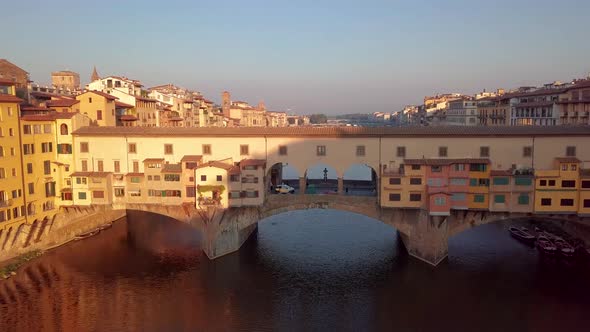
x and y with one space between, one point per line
65 80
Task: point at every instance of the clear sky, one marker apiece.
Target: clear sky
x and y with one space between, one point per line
305 56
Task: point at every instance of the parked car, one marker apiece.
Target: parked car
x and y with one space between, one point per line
284 189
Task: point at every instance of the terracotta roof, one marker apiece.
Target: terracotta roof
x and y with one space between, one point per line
446 161
62 102
231 169
501 172
6 98
134 174
253 162
127 117
192 158
35 108
100 93
153 160
52 115
568 160
92 174
172 168
409 131
5 82
122 105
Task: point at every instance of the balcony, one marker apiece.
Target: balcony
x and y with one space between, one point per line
6 203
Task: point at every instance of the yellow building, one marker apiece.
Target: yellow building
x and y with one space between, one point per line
99 107
584 208
404 187
556 190
479 186
39 159
12 206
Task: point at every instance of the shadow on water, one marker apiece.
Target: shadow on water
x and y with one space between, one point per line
304 270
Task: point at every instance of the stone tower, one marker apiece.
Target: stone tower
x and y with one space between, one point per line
94 76
225 103
261 106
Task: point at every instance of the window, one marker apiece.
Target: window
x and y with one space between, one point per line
14 172
395 181
568 183
84 165
219 178
458 182
249 179
523 199
172 177
132 148
479 198
206 148
135 193
29 168
436 169
360 150
81 181
119 192
551 183
573 167
234 194
31 187
250 167
244 150
90 100
135 166
567 202
27 130
415 181
251 193
401 151
442 151
98 115
135 179
564 167
203 177
478 167
526 181
28 149
394 197
545 201
321 150
46 167
542 183
168 149
191 192
64 149
46 147
234 178
500 181
484 151
587 203
586 184
527 151
63 129
117 166
81 195
440 201
149 178
84 147
98 194
458 197
282 150
570 151
500 199
415 197
416 167
100 165
47 128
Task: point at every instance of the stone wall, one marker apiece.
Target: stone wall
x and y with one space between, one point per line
63 227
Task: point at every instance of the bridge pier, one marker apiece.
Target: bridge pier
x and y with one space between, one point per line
427 239
227 230
302 185
340 186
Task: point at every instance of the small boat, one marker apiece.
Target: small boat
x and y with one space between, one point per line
106 226
564 248
521 235
545 246
87 234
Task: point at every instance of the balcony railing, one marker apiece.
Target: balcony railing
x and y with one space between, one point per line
6 203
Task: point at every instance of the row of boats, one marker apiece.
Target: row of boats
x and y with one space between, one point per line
93 232
548 243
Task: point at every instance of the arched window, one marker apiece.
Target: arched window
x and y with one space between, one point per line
63 129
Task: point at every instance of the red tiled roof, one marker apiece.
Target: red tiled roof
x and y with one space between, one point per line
568 160
62 102
6 98
64 115
231 169
192 158
172 168
153 160
100 93
126 117
252 162
92 174
122 105
501 172
5 82
52 115
35 108
446 161
134 174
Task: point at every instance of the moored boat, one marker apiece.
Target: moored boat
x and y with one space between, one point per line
521 235
87 234
565 249
545 246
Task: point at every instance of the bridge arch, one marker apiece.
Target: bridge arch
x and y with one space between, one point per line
322 178
360 179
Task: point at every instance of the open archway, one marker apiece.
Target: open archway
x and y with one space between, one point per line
282 173
360 180
321 179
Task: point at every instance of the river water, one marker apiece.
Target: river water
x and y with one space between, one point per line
315 270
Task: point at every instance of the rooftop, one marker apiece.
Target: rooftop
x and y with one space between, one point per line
417 131
4 98
446 161
62 102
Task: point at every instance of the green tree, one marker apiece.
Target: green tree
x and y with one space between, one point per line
318 118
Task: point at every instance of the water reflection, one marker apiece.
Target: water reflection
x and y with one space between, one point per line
312 270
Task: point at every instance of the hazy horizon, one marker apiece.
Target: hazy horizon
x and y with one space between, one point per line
306 57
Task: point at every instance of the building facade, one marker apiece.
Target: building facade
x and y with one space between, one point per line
65 80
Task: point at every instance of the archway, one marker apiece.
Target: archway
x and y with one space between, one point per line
282 173
360 180
321 179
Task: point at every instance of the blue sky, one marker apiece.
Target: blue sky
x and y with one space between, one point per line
317 56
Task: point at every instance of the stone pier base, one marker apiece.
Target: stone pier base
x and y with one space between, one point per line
427 240
227 230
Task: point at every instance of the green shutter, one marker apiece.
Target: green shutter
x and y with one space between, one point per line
479 198
523 181
501 181
523 199
473 182
499 199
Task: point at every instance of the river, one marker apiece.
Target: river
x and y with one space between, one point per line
315 270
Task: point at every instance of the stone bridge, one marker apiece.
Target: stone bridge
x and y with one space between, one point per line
424 236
